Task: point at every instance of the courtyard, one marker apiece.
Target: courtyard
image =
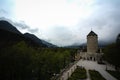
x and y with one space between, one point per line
101 68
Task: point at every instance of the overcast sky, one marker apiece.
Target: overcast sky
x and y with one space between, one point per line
64 22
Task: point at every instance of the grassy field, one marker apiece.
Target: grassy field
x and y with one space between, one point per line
116 74
95 75
79 73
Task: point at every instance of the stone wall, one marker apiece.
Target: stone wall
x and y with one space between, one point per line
68 72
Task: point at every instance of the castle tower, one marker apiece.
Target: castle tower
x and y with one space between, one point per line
92 43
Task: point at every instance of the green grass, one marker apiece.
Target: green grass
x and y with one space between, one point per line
79 73
95 75
116 74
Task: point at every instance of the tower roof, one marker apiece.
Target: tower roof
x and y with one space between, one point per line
92 34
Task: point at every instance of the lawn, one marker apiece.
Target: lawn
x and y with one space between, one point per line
79 73
116 74
95 75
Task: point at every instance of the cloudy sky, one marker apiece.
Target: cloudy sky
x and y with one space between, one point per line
64 22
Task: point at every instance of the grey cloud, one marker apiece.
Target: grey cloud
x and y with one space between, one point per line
114 3
3 18
61 36
2 11
21 25
105 21
33 30
6 8
62 32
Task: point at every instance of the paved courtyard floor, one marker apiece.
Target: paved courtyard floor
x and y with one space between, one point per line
98 67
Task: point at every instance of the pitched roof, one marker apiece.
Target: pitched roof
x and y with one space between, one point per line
92 34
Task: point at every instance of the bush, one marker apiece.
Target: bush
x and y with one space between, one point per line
79 73
95 75
116 74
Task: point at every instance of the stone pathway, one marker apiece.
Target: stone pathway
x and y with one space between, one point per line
94 66
88 75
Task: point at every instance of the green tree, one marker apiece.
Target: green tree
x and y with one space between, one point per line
112 53
16 62
21 62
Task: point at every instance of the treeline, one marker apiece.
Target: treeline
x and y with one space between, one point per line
21 62
112 53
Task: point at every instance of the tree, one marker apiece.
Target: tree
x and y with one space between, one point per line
16 62
118 40
22 62
112 53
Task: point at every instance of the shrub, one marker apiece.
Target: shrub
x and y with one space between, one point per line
115 74
95 75
79 73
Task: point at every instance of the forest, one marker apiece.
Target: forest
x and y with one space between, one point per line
22 62
112 53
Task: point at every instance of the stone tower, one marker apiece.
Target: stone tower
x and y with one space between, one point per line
92 43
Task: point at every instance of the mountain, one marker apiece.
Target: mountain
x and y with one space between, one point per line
9 35
76 45
48 44
104 43
8 38
72 46
101 44
38 41
34 38
5 25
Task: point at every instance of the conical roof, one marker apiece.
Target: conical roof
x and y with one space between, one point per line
92 34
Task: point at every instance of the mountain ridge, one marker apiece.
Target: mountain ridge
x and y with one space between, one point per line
5 25
10 34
